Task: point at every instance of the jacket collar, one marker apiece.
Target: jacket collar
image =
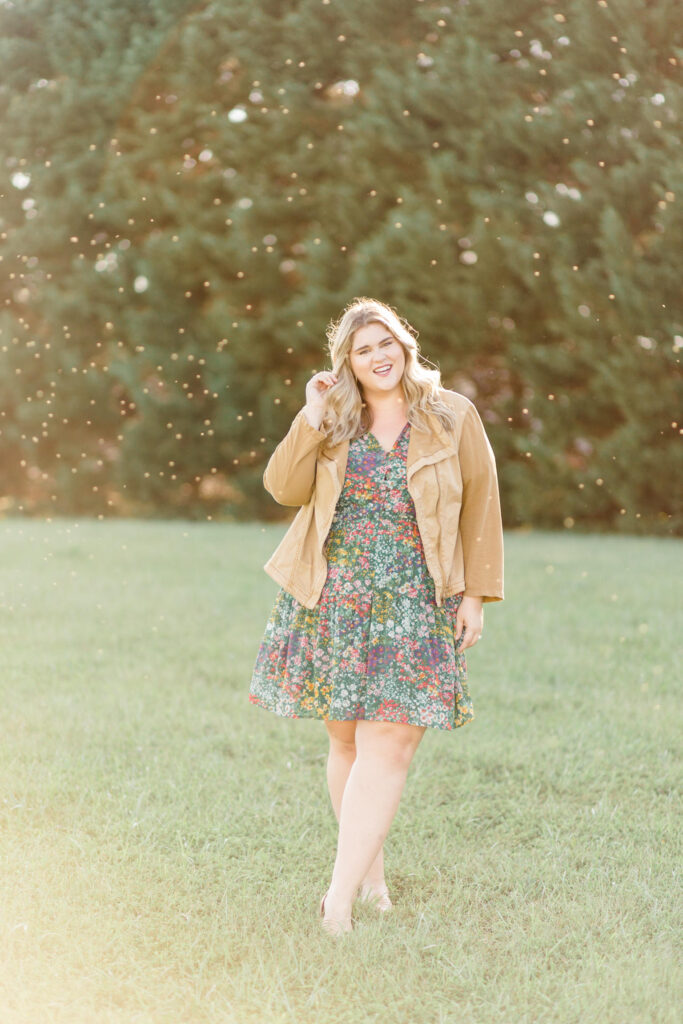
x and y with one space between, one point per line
424 448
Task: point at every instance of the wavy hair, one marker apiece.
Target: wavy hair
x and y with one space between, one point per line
346 414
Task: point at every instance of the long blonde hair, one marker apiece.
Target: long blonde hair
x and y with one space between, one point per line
346 414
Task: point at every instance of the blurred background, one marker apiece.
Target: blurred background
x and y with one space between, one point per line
191 191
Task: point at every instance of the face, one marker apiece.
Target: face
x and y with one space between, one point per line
374 346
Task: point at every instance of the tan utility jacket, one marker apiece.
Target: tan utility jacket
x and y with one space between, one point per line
451 477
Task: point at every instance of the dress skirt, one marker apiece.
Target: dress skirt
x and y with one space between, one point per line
376 646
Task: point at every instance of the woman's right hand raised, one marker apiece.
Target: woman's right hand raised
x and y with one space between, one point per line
317 388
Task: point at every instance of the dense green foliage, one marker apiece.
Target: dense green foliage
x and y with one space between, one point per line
193 190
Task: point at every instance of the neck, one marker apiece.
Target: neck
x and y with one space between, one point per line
386 406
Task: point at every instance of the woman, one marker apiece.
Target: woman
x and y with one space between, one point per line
396 546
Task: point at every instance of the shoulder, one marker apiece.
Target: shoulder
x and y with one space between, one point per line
454 400
469 429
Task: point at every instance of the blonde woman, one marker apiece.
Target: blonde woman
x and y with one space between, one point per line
383 574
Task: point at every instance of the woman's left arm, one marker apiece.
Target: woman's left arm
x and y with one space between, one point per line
469 620
480 525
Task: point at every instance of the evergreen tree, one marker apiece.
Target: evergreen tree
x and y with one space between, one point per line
193 191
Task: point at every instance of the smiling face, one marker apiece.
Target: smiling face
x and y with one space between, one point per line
375 347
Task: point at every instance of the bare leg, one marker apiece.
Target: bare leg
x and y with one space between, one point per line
339 761
371 797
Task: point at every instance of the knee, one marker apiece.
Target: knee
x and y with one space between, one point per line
390 744
397 756
345 749
391 759
342 739
342 747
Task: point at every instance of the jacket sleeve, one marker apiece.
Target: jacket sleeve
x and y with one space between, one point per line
481 524
290 473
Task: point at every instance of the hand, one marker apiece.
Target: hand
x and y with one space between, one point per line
469 621
317 388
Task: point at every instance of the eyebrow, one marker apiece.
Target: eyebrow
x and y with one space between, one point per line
389 337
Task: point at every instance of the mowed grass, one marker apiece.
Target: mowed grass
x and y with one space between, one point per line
164 844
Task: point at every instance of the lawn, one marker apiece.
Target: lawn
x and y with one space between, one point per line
164 844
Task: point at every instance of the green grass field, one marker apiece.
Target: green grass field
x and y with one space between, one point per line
164 844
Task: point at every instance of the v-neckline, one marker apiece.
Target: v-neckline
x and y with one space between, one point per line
387 451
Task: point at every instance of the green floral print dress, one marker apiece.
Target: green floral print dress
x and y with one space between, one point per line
376 646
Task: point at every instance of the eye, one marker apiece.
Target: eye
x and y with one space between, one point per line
363 351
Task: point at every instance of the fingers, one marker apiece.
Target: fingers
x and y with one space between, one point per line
468 635
476 637
319 385
326 379
469 639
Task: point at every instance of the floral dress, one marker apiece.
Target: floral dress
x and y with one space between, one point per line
376 646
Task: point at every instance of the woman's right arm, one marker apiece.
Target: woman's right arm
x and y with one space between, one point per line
290 473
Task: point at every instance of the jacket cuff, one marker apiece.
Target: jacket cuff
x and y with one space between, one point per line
485 598
304 419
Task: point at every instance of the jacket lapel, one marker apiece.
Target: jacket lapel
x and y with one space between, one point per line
424 448
428 446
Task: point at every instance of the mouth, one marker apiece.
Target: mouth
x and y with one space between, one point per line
383 371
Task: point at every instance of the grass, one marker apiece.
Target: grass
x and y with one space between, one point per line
164 844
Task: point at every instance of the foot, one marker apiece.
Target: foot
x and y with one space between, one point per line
336 917
377 894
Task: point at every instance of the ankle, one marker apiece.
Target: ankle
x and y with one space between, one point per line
374 882
339 900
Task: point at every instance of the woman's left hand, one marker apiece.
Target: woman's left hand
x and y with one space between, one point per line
469 621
